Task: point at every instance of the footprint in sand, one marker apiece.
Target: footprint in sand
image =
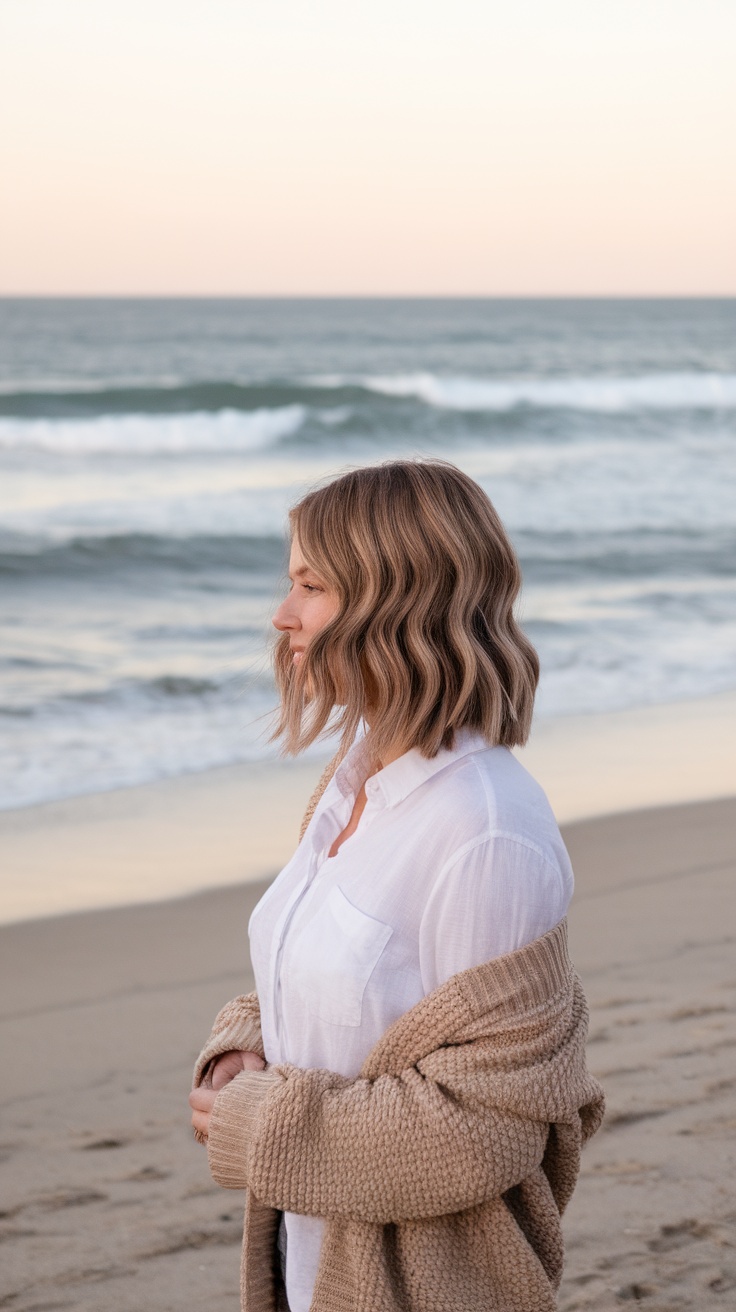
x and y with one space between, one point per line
615 1120
68 1198
675 1236
695 1013
635 1292
100 1145
145 1174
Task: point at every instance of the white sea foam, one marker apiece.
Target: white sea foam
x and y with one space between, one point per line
68 750
155 434
339 414
666 391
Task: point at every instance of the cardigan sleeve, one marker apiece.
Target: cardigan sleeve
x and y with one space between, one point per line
450 1132
237 1026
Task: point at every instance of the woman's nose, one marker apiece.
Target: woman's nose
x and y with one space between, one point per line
284 618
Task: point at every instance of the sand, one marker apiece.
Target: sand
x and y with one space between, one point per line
107 1202
223 826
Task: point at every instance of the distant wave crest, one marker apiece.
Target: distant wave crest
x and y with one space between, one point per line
683 391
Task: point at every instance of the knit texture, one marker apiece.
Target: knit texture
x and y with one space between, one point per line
443 1169
236 1028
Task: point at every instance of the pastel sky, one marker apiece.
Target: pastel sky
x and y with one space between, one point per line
533 147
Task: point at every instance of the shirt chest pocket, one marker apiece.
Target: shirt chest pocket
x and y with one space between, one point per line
332 957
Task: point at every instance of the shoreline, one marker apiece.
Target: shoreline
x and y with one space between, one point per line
239 823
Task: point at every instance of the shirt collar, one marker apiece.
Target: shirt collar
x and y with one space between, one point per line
401 777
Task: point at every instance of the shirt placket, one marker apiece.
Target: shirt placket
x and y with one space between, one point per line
317 858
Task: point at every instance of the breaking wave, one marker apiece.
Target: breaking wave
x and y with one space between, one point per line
683 391
147 434
256 412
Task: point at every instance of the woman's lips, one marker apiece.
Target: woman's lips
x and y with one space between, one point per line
296 657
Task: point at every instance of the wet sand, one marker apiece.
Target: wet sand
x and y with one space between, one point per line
107 1202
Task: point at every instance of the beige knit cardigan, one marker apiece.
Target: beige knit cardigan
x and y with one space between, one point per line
443 1169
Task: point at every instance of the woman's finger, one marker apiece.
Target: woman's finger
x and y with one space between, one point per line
252 1062
202 1100
201 1125
226 1068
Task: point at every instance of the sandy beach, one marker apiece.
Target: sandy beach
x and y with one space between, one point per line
106 1199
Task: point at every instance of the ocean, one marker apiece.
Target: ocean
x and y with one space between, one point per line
150 449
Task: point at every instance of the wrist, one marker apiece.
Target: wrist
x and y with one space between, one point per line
233 1125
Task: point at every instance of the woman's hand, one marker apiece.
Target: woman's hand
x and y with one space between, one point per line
229 1064
201 1101
222 1071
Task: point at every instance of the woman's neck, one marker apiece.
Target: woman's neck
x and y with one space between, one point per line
388 755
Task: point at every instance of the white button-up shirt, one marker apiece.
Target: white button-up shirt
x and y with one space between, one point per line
455 861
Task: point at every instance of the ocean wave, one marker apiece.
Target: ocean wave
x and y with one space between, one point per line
643 555
329 396
143 434
681 391
546 556
26 554
125 695
171 397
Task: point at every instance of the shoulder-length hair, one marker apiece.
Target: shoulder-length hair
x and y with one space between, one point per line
424 640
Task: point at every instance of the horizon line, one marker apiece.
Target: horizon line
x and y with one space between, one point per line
367 296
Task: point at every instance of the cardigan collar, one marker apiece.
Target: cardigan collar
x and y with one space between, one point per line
497 992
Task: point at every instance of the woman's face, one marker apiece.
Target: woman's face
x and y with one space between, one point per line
309 606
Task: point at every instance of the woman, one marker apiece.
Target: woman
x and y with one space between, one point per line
405 1094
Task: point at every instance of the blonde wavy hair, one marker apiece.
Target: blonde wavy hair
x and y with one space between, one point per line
424 641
